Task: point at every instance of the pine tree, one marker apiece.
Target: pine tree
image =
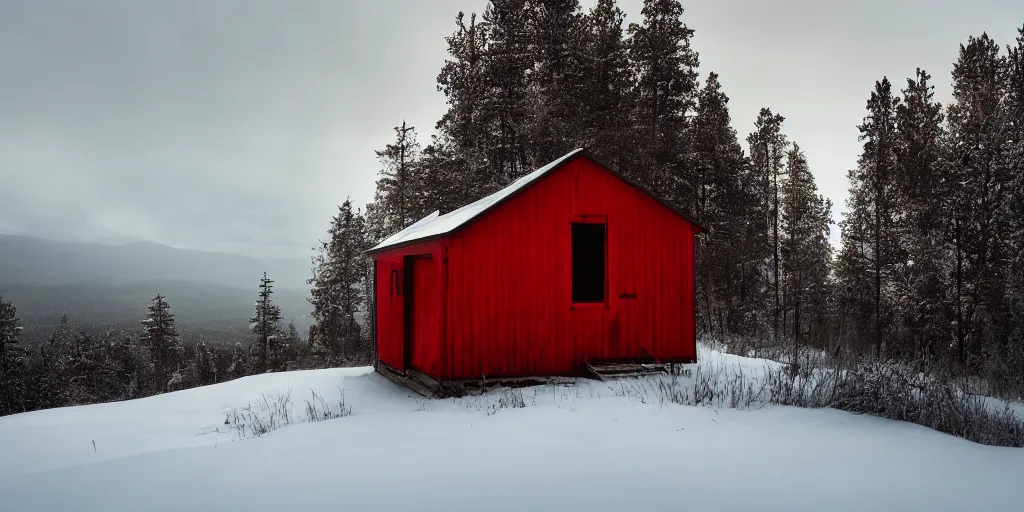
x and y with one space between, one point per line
85 368
767 149
12 360
265 324
871 235
129 362
978 136
717 168
1013 160
920 284
161 337
464 83
606 106
239 366
444 175
805 249
503 105
557 80
205 367
53 378
339 270
398 185
665 67
293 334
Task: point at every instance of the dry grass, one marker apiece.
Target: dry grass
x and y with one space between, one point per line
886 389
268 414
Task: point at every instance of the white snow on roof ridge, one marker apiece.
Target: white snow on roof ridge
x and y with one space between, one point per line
434 224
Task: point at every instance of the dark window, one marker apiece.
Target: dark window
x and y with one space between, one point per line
588 251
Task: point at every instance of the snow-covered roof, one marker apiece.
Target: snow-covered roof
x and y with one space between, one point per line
434 225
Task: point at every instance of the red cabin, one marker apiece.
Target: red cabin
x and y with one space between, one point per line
570 265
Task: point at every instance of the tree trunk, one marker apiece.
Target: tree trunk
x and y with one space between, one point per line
775 245
796 332
960 334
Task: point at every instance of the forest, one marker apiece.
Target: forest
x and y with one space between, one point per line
929 272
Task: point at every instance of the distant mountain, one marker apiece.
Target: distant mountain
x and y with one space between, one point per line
110 285
37 262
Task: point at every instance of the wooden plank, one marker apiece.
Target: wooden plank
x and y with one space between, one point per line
408 380
617 370
428 387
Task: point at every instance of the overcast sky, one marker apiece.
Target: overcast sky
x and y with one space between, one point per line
240 125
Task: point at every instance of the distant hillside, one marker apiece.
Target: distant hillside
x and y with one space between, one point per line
36 262
105 286
217 313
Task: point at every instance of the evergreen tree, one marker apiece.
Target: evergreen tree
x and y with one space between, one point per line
293 337
398 185
1013 160
12 360
266 326
805 249
978 137
920 284
871 235
665 67
444 174
205 368
239 366
1015 85
339 270
767 149
558 81
85 368
605 105
161 337
719 200
503 105
52 378
129 361
464 83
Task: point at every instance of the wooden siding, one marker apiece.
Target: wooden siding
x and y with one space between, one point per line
509 281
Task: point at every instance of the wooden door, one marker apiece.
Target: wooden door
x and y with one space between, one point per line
423 314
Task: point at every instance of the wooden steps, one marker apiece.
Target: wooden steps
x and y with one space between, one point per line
428 387
608 370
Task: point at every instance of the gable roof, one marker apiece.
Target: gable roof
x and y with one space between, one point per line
435 225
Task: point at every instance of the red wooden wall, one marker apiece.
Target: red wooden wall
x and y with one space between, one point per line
494 299
510 280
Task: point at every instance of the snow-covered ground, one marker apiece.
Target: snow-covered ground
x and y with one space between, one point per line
591 446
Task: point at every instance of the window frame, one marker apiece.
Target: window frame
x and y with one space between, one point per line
589 219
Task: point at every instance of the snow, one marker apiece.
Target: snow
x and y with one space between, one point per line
434 224
588 446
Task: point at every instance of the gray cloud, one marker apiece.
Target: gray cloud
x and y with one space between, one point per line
240 125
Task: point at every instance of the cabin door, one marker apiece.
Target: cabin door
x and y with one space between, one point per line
630 333
423 314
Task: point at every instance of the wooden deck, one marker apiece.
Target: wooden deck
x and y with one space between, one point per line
426 386
429 387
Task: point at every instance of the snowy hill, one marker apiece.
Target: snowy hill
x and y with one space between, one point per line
589 446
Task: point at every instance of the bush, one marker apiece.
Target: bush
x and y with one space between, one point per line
886 389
